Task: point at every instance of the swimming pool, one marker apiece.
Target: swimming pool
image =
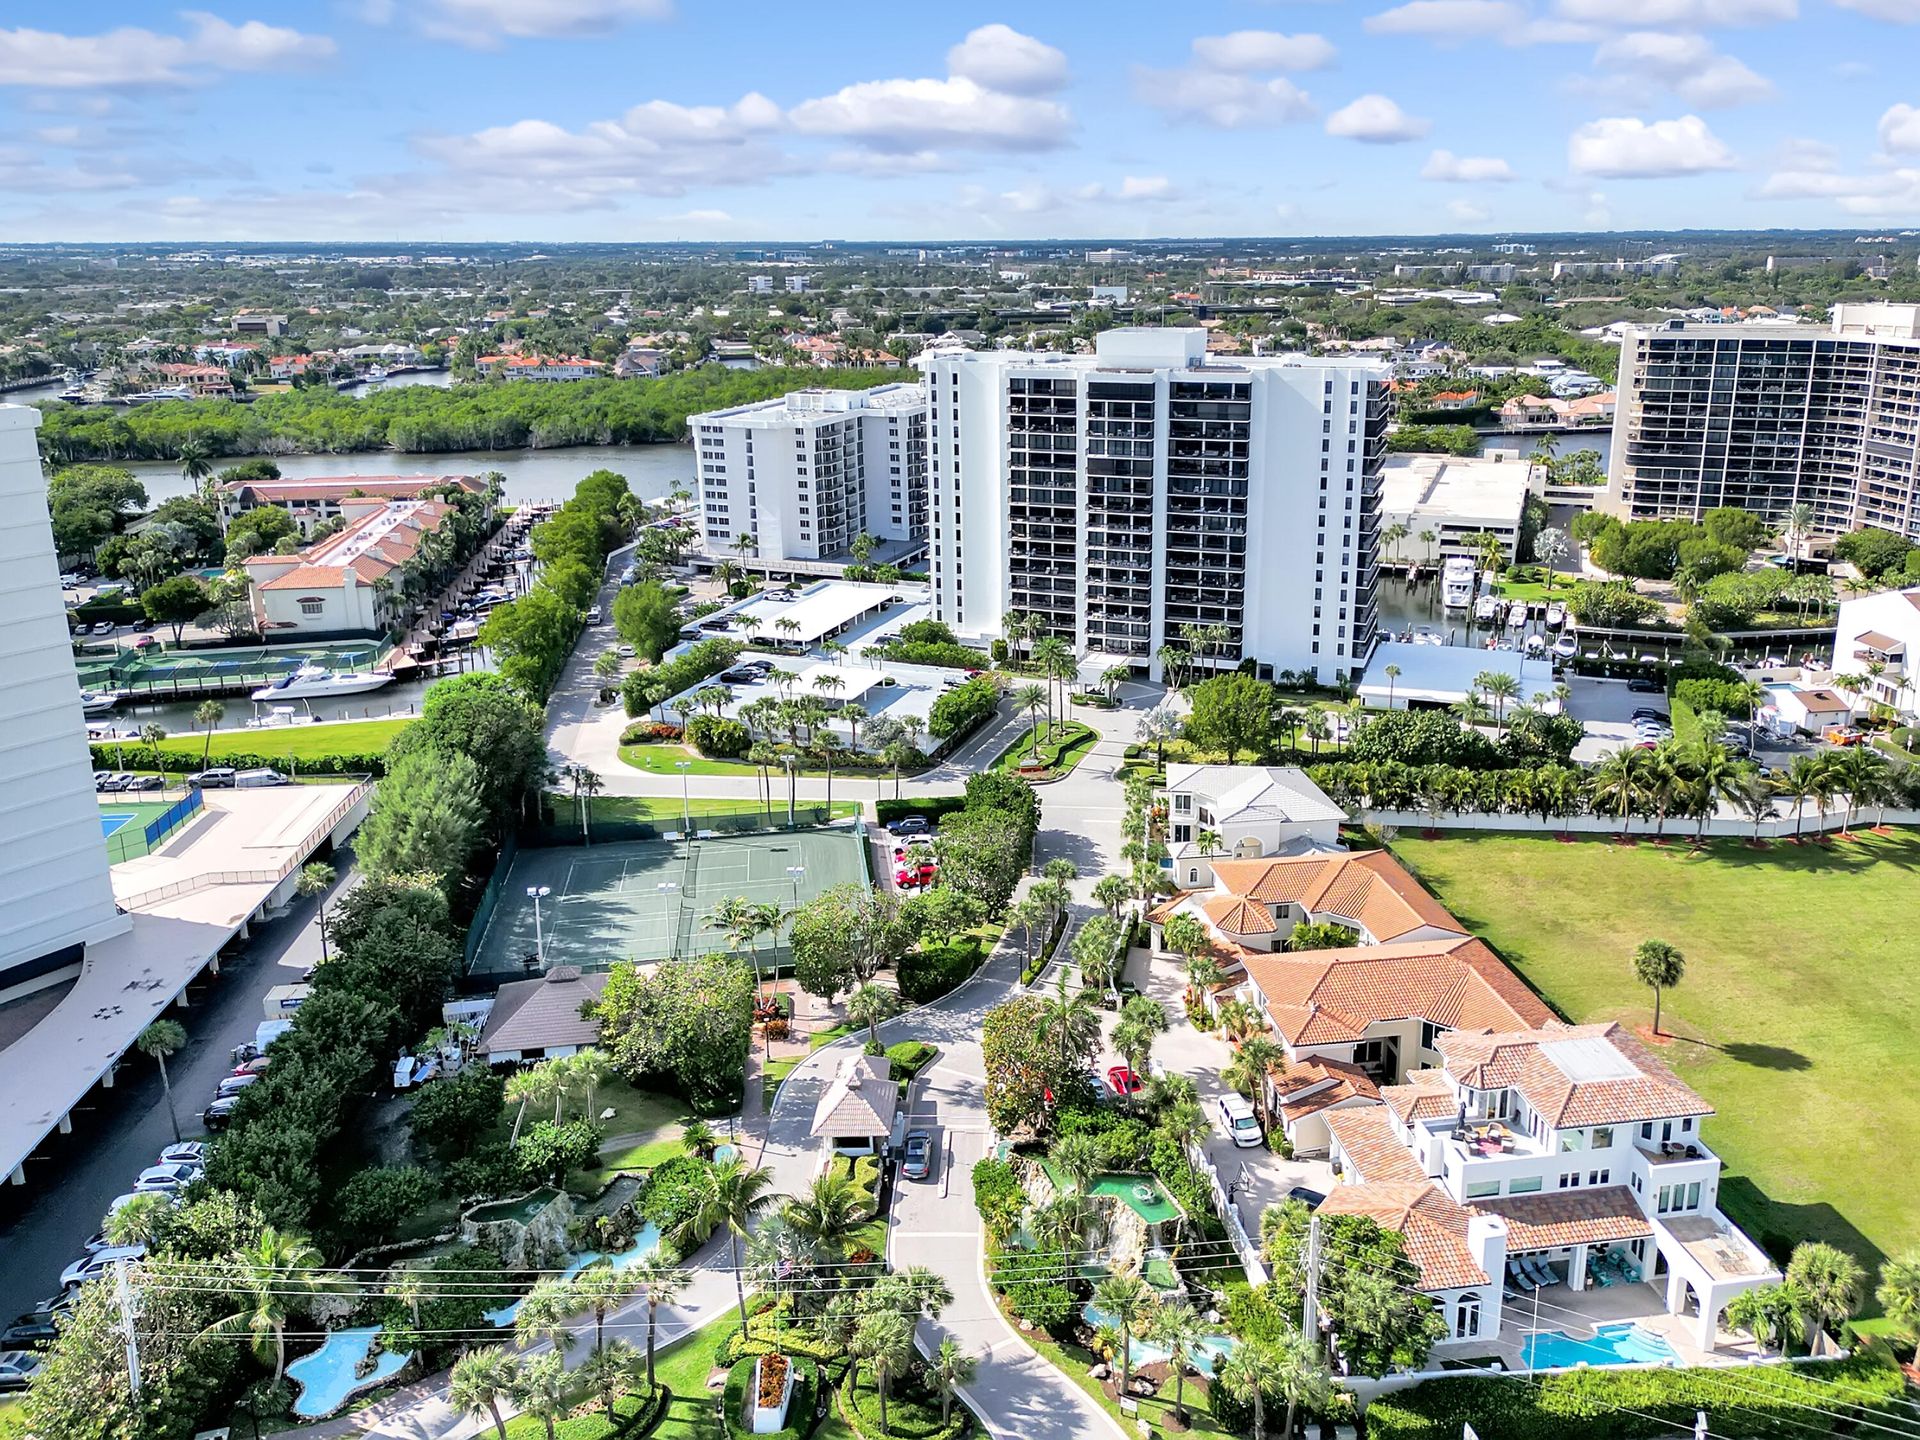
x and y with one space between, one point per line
1624 1344
112 822
326 1377
1144 1352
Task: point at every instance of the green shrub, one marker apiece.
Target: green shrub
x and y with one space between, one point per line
935 970
963 708
1598 1404
800 1405
933 807
719 738
649 732
1044 1303
461 1286
671 1193
947 655
185 761
370 1204
997 1194
1730 697
707 657
912 1414
909 1057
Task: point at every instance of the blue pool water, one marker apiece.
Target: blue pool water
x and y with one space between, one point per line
644 1244
723 1153
1145 1352
111 823
1611 1345
326 1376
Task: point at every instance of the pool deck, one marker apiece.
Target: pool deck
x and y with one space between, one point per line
1578 1313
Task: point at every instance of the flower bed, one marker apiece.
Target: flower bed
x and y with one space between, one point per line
773 1381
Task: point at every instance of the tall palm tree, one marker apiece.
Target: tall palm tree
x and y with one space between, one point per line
481 1379
829 1213
600 1290
524 1087
207 715
271 1279
730 1195
1032 699
1898 1293
1178 1330
1248 1070
1619 782
543 1315
1070 1022
541 1389
608 1373
871 1004
1833 1282
1499 687
161 1039
663 1281
950 1368
1392 673
884 1339
1130 1301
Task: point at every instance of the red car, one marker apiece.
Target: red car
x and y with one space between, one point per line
909 878
1123 1081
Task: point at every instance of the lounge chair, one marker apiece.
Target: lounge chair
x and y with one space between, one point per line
1542 1272
1520 1278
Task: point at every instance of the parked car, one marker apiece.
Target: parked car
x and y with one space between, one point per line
257 1065
166 1178
626 652
1122 1080
93 1266
146 782
1239 1121
103 627
219 1114
187 1152
17 1369
255 779
145 642
916 1161
1309 1198
116 782
911 825
1647 712
30 1334
739 675
218 778
234 1084
1643 685
593 615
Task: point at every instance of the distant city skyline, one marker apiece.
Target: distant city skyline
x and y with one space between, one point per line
640 120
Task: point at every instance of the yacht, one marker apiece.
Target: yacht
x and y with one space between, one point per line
1457 583
1487 610
1565 647
98 702
281 715
1556 615
1427 635
1517 615
316 682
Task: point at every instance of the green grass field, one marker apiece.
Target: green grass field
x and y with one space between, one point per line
299 742
1795 1018
1059 753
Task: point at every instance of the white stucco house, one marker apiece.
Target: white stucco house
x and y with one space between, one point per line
1877 638
1254 810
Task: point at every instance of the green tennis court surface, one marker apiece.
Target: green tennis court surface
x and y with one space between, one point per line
650 899
123 825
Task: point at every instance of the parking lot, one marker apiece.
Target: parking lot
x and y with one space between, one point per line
1605 708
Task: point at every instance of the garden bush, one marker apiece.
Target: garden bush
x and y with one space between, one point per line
912 1413
671 1193
184 761
963 708
1732 698
701 660
909 1057
370 1204
1622 1405
935 970
932 807
1044 1303
650 732
719 738
947 655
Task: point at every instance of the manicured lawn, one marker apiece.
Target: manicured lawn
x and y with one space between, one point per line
643 1130
1796 1010
13 1420
1059 753
662 759
299 742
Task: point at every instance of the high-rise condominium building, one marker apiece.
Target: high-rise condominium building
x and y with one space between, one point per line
807 474
1124 495
55 895
1768 417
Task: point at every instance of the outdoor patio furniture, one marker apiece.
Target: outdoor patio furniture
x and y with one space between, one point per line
1541 1271
1521 1279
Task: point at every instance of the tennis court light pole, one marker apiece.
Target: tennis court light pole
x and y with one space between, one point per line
537 893
686 805
794 872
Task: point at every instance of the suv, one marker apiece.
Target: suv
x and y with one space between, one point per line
1642 685
911 825
1240 1123
219 778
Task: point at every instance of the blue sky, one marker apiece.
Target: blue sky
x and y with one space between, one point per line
678 119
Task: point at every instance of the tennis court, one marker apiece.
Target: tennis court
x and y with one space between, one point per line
651 899
132 828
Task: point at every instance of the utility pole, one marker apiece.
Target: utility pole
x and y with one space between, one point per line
123 1293
1310 1309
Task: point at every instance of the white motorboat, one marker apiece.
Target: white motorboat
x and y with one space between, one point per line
278 716
98 702
1535 645
1556 615
1427 635
1565 647
1487 610
1457 583
316 682
1517 615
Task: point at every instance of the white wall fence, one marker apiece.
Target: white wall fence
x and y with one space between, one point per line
1244 1244
1678 829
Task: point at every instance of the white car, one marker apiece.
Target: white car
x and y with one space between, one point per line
99 1264
166 1177
1240 1123
17 1368
187 1152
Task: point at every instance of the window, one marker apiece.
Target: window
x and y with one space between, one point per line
1603 1137
312 607
1572 1140
1524 1184
1599 1177
1481 1189
1183 804
1466 1323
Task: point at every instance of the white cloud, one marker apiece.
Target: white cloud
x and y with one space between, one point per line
482 23
1449 19
1619 14
1258 51
1144 187
1465 169
132 58
1900 130
912 114
1885 194
1228 102
1466 212
1688 65
1001 58
1628 148
1900 12
698 217
1376 120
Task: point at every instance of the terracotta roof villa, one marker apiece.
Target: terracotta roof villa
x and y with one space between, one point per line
328 588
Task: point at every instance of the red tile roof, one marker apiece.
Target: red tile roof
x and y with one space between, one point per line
1367 1140
1369 887
1311 1084
1432 1224
1549 1221
1424 1096
1574 1075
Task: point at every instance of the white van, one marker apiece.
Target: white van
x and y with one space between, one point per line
254 779
593 615
1240 1123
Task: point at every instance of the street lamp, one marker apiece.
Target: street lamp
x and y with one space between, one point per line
537 893
686 805
794 872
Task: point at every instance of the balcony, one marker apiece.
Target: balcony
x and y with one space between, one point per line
1658 1154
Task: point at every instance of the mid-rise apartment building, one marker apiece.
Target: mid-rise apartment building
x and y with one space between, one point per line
807 474
1124 495
1769 417
55 895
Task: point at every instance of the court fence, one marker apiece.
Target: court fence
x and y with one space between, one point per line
122 846
564 826
490 897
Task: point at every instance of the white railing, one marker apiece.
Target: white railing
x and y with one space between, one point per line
1677 829
1244 1244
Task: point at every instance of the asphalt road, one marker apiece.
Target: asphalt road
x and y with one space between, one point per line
119 1132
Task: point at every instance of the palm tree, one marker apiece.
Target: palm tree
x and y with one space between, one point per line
150 736
207 714
1392 673
137 1220
1178 1330
1619 781
731 1195
1248 1070
600 1290
1242 1372
1070 1022
161 1039
829 1214
1055 659
871 1004
408 1287
663 1281
1293 1368
270 1279
950 1368
1032 699
1717 776
481 1379
1499 687
1060 1226
1658 965
884 1340
541 1389
1898 1293
608 1373
1130 1301
523 1088
1832 1280
195 467
1799 525
543 1315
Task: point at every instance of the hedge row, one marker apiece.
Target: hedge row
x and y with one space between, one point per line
701 660
927 974
947 655
908 1416
181 762
932 807
1597 1404
909 1058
